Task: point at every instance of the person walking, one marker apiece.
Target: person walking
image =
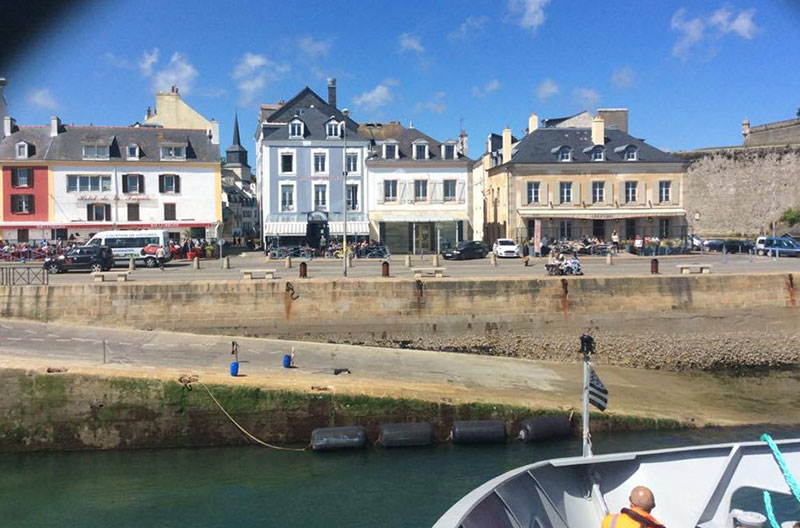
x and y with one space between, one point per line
160 254
615 241
526 253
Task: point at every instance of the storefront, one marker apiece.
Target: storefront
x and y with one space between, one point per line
17 232
415 233
303 228
560 225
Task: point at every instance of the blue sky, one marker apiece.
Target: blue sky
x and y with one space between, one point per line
688 71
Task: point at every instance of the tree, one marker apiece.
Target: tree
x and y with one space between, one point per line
791 216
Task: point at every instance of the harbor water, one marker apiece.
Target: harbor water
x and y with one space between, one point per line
254 486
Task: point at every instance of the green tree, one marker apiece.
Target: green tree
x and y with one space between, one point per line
791 216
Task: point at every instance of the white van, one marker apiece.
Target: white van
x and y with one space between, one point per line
141 245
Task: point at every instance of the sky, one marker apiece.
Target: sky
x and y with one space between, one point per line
689 72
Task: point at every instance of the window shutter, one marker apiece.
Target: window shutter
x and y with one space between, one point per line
14 178
621 192
460 191
141 183
177 183
89 212
576 193
107 212
608 193
544 197
641 193
381 191
161 183
674 192
125 183
30 178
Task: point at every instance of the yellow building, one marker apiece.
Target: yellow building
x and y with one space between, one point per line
172 112
572 182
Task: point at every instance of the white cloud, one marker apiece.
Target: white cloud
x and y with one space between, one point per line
586 98
178 72
698 36
389 81
623 78
471 27
491 86
546 89
530 12
436 106
409 42
690 33
743 25
369 101
42 98
253 72
119 62
313 48
148 60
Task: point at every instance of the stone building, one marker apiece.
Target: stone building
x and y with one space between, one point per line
239 203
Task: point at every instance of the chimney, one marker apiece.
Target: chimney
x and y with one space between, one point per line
332 91
462 143
148 114
598 131
533 122
55 126
506 145
9 126
615 118
746 127
214 132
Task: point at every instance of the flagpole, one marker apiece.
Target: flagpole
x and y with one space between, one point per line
587 442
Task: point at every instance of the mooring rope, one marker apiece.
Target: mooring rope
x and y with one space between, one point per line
242 429
787 476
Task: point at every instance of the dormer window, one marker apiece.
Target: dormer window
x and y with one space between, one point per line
449 151
95 152
333 129
132 152
598 154
296 129
173 152
22 150
420 151
565 154
630 154
389 151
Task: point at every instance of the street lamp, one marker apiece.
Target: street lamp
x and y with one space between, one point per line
346 113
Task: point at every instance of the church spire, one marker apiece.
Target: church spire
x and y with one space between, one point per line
236 154
236 130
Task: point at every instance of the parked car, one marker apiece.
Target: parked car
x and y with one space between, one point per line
696 242
713 244
784 246
505 247
466 249
91 258
738 246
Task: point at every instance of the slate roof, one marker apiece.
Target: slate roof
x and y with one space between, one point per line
68 144
312 110
378 133
541 146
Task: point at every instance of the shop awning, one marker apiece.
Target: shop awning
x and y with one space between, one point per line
357 227
285 228
595 214
419 217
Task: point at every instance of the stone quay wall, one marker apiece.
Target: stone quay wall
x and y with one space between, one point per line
673 322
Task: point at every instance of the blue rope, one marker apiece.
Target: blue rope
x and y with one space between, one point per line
790 481
770 513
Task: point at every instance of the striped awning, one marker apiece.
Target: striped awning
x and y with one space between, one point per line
285 228
358 227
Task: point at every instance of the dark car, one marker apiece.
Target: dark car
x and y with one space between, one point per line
738 246
468 249
91 258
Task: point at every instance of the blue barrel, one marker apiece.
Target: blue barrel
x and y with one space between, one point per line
406 434
479 431
544 428
287 361
235 368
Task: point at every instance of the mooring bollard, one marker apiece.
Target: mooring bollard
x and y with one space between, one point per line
492 259
654 266
384 268
435 261
408 261
609 259
131 264
196 263
303 270
288 262
226 263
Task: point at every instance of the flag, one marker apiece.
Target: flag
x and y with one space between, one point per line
598 394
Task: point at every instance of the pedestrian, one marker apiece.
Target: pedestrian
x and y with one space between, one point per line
615 241
526 254
160 256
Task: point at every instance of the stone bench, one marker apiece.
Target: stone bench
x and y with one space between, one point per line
250 274
121 276
436 272
694 268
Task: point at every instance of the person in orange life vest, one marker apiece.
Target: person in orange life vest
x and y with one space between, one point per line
638 515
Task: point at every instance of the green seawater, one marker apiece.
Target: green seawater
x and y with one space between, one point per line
254 486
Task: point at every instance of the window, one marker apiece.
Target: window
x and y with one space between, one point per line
352 162
169 183
320 197
133 212
287 162
320 159
420 190
247 213
22 235
390 151
173 152
287 198
664 191
533 192
598 192
132 183
663 227
352 196
449 152
21 203
88 183
420 152
390 191
21 178
95 152
598 154
630 191
169 212
22 150
630 154
449 190
133 152
565 192
565 154
332 129
98 212
565 229
296 129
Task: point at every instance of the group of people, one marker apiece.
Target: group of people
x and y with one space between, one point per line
28 251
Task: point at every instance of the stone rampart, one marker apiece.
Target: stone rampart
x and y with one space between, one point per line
676 322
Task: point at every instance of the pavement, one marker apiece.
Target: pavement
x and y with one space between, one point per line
624 265
434 376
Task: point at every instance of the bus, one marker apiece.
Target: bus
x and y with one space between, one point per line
141 245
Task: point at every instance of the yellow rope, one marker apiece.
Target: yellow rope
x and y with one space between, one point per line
242 429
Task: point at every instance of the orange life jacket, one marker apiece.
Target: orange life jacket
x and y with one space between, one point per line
631 518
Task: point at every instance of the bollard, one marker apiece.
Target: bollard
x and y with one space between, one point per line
288 262
131 264
408 261
350 258
303 270
435 261
751 254
226 263
609 259
385 269
196 263
654 266
493 259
